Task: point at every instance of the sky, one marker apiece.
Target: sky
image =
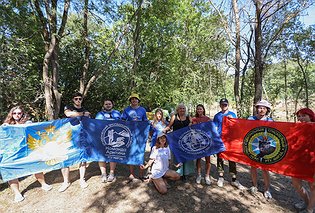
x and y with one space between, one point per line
309 19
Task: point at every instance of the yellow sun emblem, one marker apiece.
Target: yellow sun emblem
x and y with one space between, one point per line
51 145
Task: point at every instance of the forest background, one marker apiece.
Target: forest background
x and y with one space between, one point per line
168 51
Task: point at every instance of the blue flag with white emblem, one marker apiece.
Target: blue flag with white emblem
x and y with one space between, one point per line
36 147
115 140
196 141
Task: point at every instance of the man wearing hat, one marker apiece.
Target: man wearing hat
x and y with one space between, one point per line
218 118
134 112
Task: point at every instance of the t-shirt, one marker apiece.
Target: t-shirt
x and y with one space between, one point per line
157 128
74 109
161 158
218 119
255 118
134 114
108 115
198 120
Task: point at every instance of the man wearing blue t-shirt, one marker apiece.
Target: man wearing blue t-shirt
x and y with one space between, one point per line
134 112
218 119
108 113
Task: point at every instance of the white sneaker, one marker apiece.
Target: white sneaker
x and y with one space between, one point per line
83 184
238 185
104 178
220 182
18 198
46 187
267 195
63 187
208 180
253 190
198 179
300 206
111 177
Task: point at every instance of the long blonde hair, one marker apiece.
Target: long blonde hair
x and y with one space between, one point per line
10 120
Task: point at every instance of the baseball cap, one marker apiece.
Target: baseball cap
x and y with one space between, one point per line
224 101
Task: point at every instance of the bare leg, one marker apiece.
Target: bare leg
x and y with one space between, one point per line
198 165
102 166
14 185
311 204
297 184
112 166
65 174
172 175
82 170
132 171
253 173
266 177
160 185
208 166
41 179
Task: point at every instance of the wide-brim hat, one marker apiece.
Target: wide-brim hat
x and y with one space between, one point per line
263 103
134 95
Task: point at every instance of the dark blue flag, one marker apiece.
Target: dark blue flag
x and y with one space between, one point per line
115 140
195 142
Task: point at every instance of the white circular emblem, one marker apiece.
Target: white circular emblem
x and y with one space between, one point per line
195 141
116 135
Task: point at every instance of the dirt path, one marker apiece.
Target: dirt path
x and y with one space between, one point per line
137 196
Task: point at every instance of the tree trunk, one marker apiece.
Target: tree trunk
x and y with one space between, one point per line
304 80
285 91
258 54
136 45
51 38
237 56
86 42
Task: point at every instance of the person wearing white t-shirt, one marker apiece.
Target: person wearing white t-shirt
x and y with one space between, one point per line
159 159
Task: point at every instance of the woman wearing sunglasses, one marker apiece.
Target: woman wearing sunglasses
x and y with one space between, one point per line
18 116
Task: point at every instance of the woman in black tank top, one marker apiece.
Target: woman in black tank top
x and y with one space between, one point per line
178 121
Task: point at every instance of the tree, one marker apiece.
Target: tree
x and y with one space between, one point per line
52 36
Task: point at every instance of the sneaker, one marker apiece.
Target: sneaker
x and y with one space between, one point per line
267 195
208 180
63 187
253 190
220 182
238 185
104 178
306 211
46 187
83 184
18 198
111 177
300 206
198 179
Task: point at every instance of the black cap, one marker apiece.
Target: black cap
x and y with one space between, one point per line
224 101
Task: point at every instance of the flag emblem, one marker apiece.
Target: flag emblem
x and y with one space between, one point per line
195 141
116 135
265 145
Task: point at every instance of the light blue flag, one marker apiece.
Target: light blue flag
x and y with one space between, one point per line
196 141
115 140
32 148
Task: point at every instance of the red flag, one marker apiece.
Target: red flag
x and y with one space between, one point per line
281 147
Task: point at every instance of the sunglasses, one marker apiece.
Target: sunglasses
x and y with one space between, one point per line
17 113
78 99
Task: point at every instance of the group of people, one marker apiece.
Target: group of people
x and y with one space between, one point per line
159 162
